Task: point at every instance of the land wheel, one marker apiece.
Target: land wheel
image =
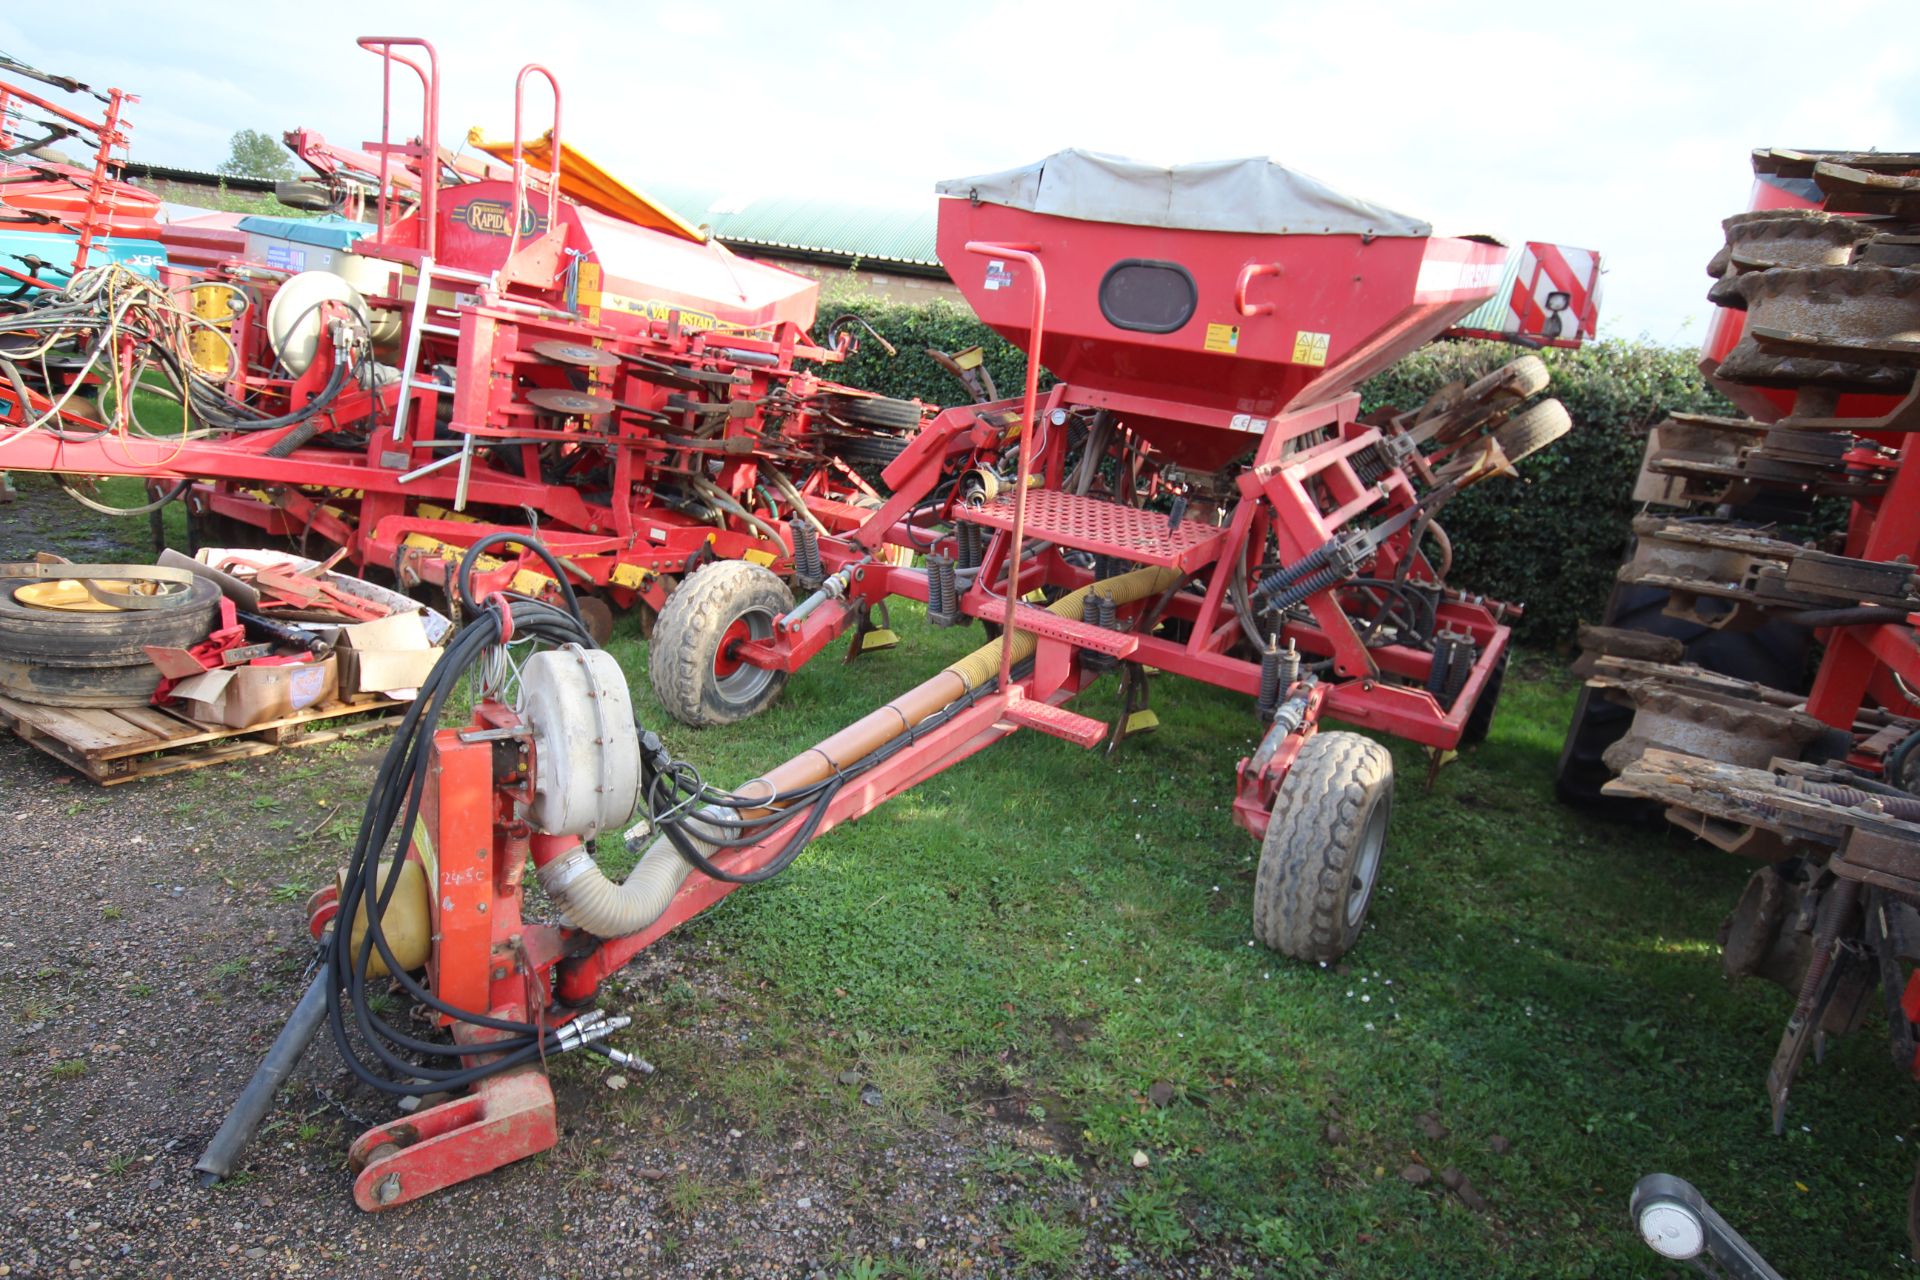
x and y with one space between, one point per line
874 450
1514 380
1480 719
1494 394
882 412
1533 430
696 671
1321 856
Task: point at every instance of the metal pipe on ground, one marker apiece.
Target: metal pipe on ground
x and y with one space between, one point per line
237 1130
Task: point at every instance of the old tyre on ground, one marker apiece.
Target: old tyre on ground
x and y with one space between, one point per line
1321 856
74 658
693 657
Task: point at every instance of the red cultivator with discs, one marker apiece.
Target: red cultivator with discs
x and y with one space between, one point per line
525 346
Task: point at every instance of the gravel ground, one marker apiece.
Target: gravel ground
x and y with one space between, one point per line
153 944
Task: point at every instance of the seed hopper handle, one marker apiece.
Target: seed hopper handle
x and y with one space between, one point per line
429 127
519 162
1029 254
1247 275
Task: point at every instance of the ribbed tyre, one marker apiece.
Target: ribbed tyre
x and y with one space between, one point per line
1533 430
81 658
82 638
1325 839
693 660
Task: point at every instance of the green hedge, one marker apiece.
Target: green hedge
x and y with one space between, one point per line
1551 541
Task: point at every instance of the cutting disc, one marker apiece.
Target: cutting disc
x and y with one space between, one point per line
573 404
575 353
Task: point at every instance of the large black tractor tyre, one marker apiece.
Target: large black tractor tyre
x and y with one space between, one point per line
1775 655
696 673
1325 840
72 658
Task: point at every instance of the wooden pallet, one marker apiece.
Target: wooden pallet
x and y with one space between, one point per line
119 744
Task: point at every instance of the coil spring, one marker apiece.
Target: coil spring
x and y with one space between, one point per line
1276 581
971 545
1279 672
808 568
1270 685
1100 611
943 592
1369 465
1312 583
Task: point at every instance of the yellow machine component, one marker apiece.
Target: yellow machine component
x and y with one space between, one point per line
529 583
448 551
71 595
879 638
1142 721
979 487
405 923
971 358
210 348
631 576
583 180
428 511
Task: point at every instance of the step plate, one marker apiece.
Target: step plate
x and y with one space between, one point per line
1127 533
1081 635
1080 730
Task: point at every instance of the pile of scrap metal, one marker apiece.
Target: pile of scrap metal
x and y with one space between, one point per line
516 345
1819 341
228 638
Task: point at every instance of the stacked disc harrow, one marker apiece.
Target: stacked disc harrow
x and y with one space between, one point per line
1754 680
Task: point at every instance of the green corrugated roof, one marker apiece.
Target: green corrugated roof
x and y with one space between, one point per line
871 233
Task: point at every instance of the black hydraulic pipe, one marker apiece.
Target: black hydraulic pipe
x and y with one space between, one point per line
236 1131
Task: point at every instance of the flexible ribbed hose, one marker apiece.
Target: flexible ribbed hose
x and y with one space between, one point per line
582 893
590 901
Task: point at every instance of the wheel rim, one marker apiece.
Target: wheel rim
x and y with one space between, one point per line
737 679
1366 865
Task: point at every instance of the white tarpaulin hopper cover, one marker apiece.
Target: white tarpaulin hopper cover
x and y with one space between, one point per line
1254 195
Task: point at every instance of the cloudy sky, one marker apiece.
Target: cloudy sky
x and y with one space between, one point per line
1622 126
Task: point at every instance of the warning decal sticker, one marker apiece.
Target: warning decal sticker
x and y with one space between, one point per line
1223 337
1311 348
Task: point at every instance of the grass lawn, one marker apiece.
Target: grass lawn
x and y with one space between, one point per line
1063 931
1051 936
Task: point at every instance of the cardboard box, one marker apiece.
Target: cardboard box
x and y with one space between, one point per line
389 657
240 697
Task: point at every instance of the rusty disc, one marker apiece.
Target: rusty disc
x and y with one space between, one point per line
573 404
575 353
598 616
1858 304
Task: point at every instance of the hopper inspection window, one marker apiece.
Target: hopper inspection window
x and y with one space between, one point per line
1148 296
